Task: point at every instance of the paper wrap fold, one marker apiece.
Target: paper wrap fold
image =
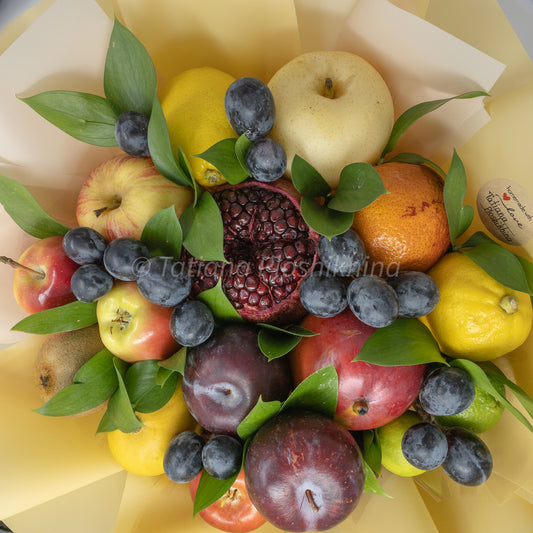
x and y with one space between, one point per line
56 474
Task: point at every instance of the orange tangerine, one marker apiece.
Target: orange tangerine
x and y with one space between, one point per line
406 228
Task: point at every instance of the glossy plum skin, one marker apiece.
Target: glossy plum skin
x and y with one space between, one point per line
304 471
369 395
224 377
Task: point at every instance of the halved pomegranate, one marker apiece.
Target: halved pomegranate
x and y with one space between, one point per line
269 248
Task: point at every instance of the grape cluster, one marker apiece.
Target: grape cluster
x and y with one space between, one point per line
338 282
161 280
463 455
250 110
188 453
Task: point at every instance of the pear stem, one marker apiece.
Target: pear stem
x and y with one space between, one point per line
509 304
329 91
15 264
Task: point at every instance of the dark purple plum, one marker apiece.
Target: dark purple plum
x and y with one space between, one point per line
304 471
84 245
90 282
131 133
266 160
224 377
124 258
249 106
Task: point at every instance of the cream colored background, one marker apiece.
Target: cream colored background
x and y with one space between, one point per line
56 474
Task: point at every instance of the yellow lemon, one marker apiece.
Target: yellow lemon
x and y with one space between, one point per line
476 318
390 437
142 451
193 105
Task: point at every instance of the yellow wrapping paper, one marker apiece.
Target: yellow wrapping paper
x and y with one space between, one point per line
57 475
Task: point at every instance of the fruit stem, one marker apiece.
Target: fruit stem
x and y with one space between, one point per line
8 261
329 91
311 501
116 201
509 304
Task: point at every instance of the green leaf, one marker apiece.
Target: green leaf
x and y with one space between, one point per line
210 490
186 167
323 220
482 381
219 304
372 485
275 342
241 149
261 412
145 394
500 264
474 240
203 229
161 149
372 450
307 179
68 317
404 342
106 423
92 385
416 159
318 392
162 234
359 185
518 392
459 216
129 76
418 111
222 155
26 212
175 362
119 406
86 117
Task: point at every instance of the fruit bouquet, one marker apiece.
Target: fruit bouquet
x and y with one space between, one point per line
264 299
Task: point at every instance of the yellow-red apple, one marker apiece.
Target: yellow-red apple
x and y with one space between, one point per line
121 194
131 327
42 276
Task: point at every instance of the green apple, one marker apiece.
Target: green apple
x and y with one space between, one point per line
122 194
131 327
333 108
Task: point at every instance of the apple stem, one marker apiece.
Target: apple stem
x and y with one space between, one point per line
15 264
311 501
329 92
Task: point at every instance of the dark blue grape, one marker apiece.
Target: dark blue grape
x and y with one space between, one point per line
323 295
222 456
418 294
373 301
191 323
84 245
131 133
344 255
164 281
249 106
90 282
266 160
425 446
469 461
124 258
447 390
182 461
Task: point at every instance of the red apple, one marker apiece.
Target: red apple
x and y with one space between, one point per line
369 395
42 276
234 512
131 327
122 194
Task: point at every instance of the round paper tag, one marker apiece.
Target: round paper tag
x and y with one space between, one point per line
506 210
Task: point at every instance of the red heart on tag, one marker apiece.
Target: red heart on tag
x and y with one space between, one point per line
506 196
